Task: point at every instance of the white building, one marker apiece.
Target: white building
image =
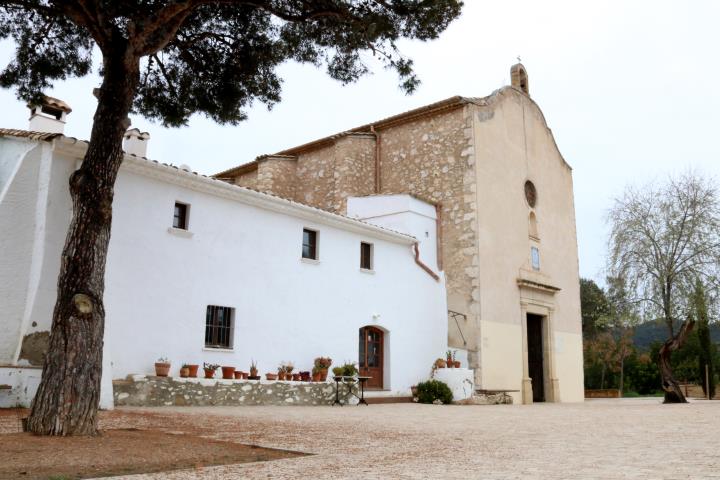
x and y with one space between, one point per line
187 250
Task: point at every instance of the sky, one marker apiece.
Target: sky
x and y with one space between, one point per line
629 89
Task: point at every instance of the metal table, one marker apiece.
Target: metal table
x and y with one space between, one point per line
350 382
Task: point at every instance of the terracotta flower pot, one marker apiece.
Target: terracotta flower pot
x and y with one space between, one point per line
271 376
238 375
457 364
280 376
323 374
244 375
228 372
209 373
193 370
304 376
162 369
449 363
184 372
296 377
316 376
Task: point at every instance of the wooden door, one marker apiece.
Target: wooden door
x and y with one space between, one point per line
536 363
371 361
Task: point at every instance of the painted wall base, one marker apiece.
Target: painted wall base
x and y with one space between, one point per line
460 380
23 383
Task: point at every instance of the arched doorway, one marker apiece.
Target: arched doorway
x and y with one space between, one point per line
371 361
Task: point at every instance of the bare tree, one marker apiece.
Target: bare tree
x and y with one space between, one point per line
663 239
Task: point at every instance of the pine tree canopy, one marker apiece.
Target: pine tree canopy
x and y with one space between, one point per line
211 57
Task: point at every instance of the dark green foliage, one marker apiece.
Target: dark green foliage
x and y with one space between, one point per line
213 58
642 374
594 307
432 390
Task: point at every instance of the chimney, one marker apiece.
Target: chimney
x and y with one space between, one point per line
519 78
135 142
50 116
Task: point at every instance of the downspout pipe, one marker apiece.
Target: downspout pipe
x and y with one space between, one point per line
428 270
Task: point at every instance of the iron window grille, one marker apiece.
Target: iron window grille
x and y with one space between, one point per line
218 327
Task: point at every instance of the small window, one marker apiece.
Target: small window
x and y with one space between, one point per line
180 219
366 251
535 256
309 246
218 327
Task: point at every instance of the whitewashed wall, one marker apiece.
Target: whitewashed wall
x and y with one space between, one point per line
159 283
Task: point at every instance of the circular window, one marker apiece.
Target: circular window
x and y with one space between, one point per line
530 193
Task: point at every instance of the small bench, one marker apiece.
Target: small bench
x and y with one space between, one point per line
484 391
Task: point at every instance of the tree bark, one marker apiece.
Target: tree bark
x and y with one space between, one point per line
68 397
673 392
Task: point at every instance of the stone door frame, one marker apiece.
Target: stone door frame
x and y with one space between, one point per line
551 382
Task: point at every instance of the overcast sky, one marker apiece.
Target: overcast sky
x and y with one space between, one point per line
630 90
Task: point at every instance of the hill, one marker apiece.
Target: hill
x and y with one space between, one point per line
647 333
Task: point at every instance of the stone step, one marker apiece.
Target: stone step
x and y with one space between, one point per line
379 400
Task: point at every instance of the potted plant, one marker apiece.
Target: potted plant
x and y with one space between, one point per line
305 376
439 363
185 370
162 367
238 374
285 371
193 369
253 371
320 368
296 377
449 362
228 372
245 375
271 376
456 363
210 369
346 370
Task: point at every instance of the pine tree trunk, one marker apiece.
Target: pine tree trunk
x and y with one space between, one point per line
673 392
68 397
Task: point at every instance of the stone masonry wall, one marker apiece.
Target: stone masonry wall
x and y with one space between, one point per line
354 172
248 180
276 175
433 159
315 178
150 391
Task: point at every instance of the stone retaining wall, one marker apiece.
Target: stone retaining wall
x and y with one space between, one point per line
150 391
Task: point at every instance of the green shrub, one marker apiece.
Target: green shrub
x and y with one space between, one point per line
432 390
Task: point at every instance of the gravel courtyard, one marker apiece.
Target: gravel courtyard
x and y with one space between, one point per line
598 439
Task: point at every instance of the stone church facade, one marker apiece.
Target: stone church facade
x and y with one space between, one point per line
503 195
